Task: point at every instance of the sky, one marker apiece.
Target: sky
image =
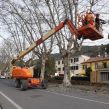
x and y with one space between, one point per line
103 41
103 9
104 15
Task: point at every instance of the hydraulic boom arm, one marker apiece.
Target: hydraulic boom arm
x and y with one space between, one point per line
87 32
46 36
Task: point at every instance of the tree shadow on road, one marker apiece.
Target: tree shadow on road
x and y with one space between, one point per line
1 106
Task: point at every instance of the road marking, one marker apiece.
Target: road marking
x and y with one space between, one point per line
85 99
11 101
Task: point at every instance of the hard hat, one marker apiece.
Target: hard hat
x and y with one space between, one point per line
97 14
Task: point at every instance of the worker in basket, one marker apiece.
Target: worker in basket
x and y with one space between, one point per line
90 19
99 22
87 18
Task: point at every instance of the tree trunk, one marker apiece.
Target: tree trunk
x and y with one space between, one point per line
42 68
66 81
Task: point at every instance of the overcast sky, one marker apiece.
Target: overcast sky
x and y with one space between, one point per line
104 11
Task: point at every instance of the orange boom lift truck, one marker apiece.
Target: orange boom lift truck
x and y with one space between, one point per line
24 76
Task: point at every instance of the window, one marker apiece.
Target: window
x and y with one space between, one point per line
104 76
63 68
71 60
59 69
74 67
62 62
58 62
104 64
96 65
76 59
84 67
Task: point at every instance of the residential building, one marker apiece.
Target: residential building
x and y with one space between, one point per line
100 69
75 64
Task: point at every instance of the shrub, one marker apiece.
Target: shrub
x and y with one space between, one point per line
88 71
57 78
80 78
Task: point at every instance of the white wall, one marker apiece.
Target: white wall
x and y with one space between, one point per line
75 66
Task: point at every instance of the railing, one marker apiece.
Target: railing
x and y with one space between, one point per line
102 67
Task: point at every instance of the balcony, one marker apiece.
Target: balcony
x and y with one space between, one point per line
102 67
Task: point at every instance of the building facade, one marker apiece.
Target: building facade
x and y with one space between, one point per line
100 69
75 65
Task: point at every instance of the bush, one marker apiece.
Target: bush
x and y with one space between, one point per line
80 78
88 71
57 78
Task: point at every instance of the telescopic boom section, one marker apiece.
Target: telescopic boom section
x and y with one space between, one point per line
46 36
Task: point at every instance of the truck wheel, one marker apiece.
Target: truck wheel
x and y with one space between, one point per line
24 85
44 84
17 83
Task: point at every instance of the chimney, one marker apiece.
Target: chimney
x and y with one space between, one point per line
105 53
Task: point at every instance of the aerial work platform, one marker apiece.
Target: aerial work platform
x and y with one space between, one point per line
89 32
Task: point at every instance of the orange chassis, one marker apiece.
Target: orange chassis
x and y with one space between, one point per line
24 78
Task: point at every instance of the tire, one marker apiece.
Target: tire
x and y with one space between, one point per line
17 83
24 85
44 84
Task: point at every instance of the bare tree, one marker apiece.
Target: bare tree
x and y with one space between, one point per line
7 51
29 20
68 46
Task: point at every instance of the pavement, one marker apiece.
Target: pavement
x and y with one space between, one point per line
55 97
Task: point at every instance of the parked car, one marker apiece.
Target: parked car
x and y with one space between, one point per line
2 77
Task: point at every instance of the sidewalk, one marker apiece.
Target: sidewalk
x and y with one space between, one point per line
80 88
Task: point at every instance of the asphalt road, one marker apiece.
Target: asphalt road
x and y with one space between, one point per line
12 98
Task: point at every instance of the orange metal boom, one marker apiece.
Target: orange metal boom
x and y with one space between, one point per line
86 31
46 36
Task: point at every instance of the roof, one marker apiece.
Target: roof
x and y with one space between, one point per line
58 56
96 59
91 51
